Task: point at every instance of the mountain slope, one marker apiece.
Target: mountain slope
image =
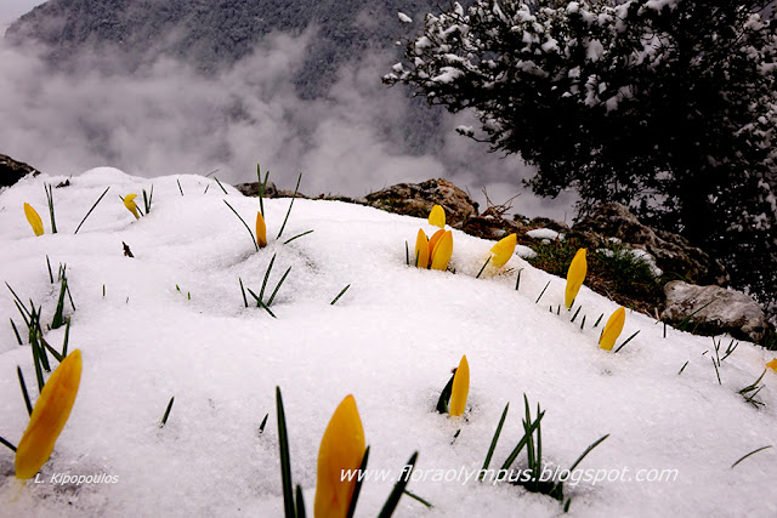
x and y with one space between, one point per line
212 35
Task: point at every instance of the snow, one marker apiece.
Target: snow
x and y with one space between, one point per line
391 341
648 259
525 252
404 18
544 233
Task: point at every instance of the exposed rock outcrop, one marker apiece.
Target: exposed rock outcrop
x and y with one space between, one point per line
673 254
714 310
11 171
417 199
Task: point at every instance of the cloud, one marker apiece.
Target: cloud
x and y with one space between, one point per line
168 118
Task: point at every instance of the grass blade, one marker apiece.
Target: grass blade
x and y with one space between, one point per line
263 423
300 503
357 487
250 232
629 339
342 292
587 451
757 450
482 268
180 189
7 444
288 212
399 488
167 412
494 441
50 202
16 332
283 444
518 447
542 293
445 395
23 386
298 236
518 280
66 339
266 277
596 324
243 291
417 498
48 266
220 186
92 209
278 287
268 310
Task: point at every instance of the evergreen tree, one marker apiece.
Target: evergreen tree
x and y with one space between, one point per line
668 106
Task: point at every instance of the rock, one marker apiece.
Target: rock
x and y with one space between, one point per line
673 254
417 199
714 310
11 171
252 189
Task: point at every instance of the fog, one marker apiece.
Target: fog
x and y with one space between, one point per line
170 119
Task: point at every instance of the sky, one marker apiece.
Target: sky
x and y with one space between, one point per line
170 119
12 9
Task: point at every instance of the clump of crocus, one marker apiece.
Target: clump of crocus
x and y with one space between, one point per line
33 218
612 329
460 389
49 416
575 277
342 449
772 364
503 250
434 252
129 202
261 230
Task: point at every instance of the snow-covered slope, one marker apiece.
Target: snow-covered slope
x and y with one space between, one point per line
391 341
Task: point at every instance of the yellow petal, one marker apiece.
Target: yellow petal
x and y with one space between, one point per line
261 230
442 251
460 389
34 219
433 242
503 250
342 448
422 249
612 329
437 216
575 277
129 202
49 416
772 365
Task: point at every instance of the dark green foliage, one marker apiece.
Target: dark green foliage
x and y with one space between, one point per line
680 130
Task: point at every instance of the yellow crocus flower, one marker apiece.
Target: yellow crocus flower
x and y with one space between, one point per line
49 416
34 219
422 249
503 250
612 329
261 230
342 448
129 202
437 216
442 250
772 364
460 389
575 277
